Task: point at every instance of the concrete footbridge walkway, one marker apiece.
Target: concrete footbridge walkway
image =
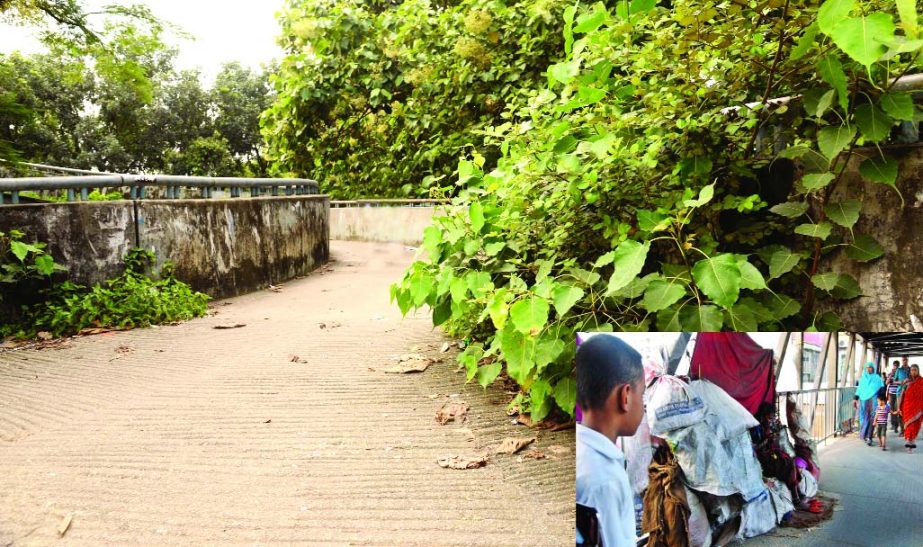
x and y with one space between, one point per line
272 421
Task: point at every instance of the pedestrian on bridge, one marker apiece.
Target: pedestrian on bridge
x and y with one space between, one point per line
869 386
896 380
912 408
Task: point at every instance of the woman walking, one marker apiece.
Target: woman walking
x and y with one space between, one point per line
869 386
911 406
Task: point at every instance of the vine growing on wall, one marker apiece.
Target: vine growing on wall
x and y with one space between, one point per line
675 174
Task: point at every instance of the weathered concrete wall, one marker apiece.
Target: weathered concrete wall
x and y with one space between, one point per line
220 247
232 246
386 224
90 238
892 284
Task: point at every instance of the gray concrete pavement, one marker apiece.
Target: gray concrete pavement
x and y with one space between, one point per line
277 432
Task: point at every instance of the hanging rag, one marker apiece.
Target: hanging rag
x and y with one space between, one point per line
666 510
737 364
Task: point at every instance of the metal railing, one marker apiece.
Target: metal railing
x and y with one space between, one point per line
343 204
829 411
138 186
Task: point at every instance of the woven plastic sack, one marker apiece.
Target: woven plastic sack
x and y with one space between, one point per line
807 486
781 498
699 527
638 455
726 416
672 405
718 467
758 516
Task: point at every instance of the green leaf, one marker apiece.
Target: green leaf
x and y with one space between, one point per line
844 213
565 395
476 213
641 6
519 352
459 289
478 282
882 170
547 351
781 262
782 306
44 264
661 294
804 42
19 249
604 260
588 22
442 312
421 285
564 297
629 259
831 71
839 285
590 95
538 395
569 13
650 221
486 374
705 195
493 249
832 13
564 72
864 248
863 38
529 315
499 308
898 105
701 318
741 318
790 209
404 300
586 277
668 320
750 276
832 140
820 231
874 124
719 278
907 10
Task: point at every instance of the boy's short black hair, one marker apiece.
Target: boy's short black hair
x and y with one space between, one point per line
604 362
882 397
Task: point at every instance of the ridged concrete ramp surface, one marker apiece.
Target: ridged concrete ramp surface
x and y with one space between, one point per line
192 435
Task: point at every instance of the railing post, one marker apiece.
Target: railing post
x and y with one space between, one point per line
254 191
83 194
14 197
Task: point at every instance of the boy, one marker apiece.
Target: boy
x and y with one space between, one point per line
882 413
610 389
896 379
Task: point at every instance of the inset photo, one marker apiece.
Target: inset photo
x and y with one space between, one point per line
767 439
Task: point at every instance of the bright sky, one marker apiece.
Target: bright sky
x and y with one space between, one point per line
225 30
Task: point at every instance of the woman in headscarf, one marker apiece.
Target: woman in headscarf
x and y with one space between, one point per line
911 405
869 385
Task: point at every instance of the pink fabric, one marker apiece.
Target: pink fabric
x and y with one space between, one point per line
736 364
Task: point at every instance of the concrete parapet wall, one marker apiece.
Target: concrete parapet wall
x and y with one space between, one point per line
385 224
220 247
893 284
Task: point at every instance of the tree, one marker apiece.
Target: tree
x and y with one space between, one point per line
239 96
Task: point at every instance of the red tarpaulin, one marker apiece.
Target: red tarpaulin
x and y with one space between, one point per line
736 364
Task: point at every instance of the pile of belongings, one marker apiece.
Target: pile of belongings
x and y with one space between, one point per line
709 472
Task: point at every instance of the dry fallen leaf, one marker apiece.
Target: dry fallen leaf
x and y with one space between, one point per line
535 454
455 410
461 462
93 330
275 288
526 420
269 421
296 359
445 347
558 449
44 335
124 349
512 445
65 524
234 326
411 362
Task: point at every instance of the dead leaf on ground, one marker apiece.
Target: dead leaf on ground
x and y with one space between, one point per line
455 410
462 462
526 420
445 347
332 325
558 449
535 455
233 326
296 359
124 349
65 524
411 362
512 445
275 288
269 421
44 336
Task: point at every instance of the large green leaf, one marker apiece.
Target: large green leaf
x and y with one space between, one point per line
831 71
565 395
907 9
874 124
804 42
421 285
519 352
44 264
486 374
741 318
882 170
750 276
832 13
540 400
564 297
781 262
816 181
498 309
898 105
845 213
701 318
19 249
820 230
782 306
588 22
790 209
864 248
547 351
842 286
833 140
719 278
629 259
661 294
476 213
863 38
530 314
